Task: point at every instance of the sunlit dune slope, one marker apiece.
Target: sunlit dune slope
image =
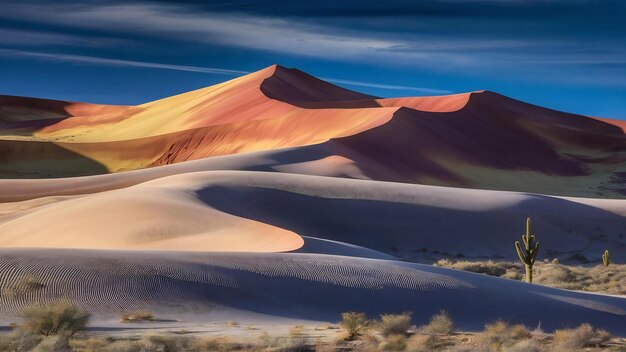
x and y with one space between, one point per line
475 140
232 117
140 217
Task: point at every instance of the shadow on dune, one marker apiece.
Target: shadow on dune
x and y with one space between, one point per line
564 227
298 286
30 159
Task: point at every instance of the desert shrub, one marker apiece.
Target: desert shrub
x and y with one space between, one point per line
56 318
25 284
18 342
296 339
138 316
354 324
59 343
500 335
439 324
424 343
92 344
395 324
210 343
160 343
123 346
482 267
582 336
526 345
394 342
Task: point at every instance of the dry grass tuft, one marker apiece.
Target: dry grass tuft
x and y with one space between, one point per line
354 325
598 278
395 324
61 318
500 335
582 336
394 342
439 324
138 316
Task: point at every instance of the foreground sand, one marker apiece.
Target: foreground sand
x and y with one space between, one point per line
207 286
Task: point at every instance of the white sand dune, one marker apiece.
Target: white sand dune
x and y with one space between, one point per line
261 211
298 286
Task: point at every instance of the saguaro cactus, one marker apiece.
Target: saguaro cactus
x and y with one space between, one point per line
529 253
606 260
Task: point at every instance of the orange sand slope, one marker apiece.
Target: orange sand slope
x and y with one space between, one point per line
477 140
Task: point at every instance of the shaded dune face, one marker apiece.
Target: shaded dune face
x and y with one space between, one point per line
251 211
297 286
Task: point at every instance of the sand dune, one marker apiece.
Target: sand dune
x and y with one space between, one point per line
298 286
270 196
476 140
260 211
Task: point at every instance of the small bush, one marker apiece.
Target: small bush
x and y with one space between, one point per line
57 318
395 324
17 342
424 343
138 316
159 343
439 324
354 324
394 342
500 334
122 346
582 336
526 345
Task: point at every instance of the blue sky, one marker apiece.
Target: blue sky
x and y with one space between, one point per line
568 55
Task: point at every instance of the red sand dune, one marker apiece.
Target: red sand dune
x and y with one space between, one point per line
479 139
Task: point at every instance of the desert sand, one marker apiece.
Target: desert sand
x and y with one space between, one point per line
473 140
278 197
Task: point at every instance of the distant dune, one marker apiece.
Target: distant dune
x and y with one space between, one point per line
477 140
280 196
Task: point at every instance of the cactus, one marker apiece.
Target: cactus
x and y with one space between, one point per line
606 260
529 253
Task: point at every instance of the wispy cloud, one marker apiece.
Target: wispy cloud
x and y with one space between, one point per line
445 41
93 60
386 86
295 36
21 37
262 33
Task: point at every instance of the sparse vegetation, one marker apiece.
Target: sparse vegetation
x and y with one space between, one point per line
582 336
61 318
138 316
603 279
496 337
394 342
528 254
395 324
25 284
353 324
500 335
606 260
439 324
